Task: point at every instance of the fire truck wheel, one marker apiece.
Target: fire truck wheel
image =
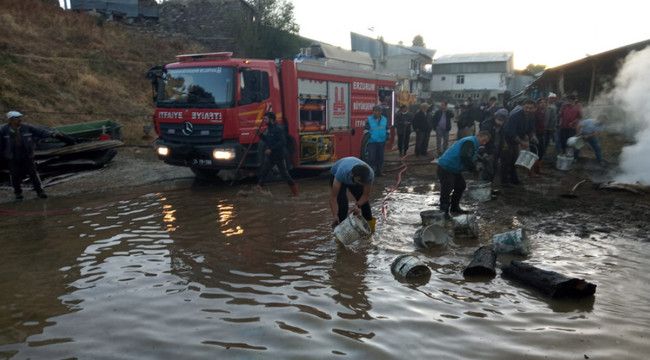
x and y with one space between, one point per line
364 147
205 174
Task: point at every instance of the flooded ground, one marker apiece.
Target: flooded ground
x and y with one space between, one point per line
196 271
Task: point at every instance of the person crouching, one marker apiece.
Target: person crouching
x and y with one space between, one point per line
459 157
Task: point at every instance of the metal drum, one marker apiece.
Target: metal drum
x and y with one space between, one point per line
352 229
431 236
432 217
526 159
466 225
409 267
480 191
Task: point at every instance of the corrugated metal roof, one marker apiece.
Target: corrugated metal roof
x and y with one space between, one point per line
473 57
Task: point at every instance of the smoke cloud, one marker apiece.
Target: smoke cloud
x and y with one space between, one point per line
631 93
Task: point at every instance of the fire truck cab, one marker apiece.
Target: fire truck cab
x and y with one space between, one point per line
209 110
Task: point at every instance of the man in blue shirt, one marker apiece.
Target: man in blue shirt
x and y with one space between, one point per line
351 174
589 129
459 157
377 126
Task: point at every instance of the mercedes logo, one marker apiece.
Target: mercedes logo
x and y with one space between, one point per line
188 128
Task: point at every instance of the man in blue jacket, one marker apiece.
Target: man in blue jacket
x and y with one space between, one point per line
459 157
17 143
354 175
377 126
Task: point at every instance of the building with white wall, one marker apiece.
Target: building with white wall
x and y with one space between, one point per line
476 75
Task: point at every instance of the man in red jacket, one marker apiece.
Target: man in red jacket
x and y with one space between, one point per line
570 116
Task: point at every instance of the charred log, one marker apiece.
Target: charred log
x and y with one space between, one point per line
550 283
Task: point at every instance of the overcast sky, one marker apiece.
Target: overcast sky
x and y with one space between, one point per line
551 32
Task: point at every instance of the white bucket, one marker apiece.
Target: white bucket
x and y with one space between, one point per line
563 162
432 217
576 142
480 191
526 159
431 236
409 266
351 229
466 225
513 242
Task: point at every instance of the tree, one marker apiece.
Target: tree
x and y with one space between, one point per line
277 14
418 40
533 69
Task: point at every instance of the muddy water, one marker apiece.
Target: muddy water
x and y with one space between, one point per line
203 272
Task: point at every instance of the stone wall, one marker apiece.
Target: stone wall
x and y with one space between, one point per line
221 25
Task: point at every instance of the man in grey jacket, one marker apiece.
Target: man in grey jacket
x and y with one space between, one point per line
17 143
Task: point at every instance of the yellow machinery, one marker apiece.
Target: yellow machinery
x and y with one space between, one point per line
316 148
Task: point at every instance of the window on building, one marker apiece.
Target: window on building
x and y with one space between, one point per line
442 78
460 79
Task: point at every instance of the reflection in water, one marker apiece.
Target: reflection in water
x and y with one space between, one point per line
202 274
347 276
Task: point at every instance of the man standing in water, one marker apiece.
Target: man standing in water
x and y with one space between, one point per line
459 157
17 143
354 175
274 155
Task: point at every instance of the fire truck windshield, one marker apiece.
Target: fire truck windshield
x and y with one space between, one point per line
206 87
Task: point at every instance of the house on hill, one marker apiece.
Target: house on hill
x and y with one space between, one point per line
120 9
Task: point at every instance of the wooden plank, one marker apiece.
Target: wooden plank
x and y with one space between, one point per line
80 147
550 283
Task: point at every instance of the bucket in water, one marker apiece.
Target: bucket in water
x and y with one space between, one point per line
431 236
514 242
432 217
480 190
409 267
563 162
466 225
352 229
526 159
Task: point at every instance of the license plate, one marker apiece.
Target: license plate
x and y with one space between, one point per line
201 162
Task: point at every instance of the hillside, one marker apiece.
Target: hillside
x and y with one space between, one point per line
61 67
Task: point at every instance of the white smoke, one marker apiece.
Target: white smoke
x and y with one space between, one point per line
631 93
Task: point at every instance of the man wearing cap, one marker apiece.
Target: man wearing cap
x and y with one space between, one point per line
422 129
353 175
551 122
377 127
17 143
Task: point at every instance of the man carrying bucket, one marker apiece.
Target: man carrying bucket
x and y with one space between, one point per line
459 157
518 131
351 174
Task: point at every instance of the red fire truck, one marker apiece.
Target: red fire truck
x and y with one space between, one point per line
209 108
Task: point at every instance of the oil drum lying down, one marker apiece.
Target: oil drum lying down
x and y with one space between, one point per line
550 283
409 267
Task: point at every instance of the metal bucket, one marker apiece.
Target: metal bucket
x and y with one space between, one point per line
526 159
431 236
352 229
563 162
409 267
480 190
432 217
514 242
576 142
466 225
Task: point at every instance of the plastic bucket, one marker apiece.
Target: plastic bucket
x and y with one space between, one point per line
514 242
526 159
352 229
466 225
432 217
480 190
563 162
431 236
409 267
576 142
